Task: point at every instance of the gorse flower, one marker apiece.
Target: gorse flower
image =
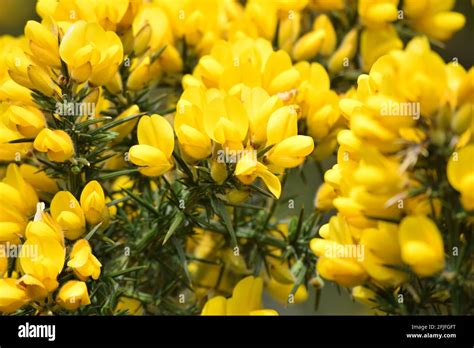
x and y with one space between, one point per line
259 120
72 295
18 202
380 185
82 261
93 204
434 18
56 143
245 300
421 245
343 268
12 296
41 271
156 144
91 53
377 12
67 212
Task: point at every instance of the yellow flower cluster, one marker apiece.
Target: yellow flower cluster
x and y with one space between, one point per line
240 101
409 104
43 248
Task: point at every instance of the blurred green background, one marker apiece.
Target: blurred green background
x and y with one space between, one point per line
15 13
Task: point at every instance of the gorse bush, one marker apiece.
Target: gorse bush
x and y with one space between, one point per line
146 147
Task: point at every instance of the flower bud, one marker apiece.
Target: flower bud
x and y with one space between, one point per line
73 295
291 152
142 39
218 172
67 212
41 81
83 262
93 204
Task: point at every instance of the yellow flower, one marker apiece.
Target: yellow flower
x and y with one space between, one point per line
93 204
12 297
463 119
17 192
29 120
376 12
364 295
246 300
263 15
91 53
235 196
67 212
44 226
115 85
289 32
126 128
279 74
131 305
189 124
460 172
281 292
18 202
421 245
291 152
37 178
23 71
339 259
374 43
226 122
246 62
43 44
322 39
418 74
248 169
433 17
9 131
281 283
324 197
344 53
73 295
381 250
319 105
41 261
142 73
260 107
151 29
110 14
83 262
56 143
218 172
12 91
156 144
